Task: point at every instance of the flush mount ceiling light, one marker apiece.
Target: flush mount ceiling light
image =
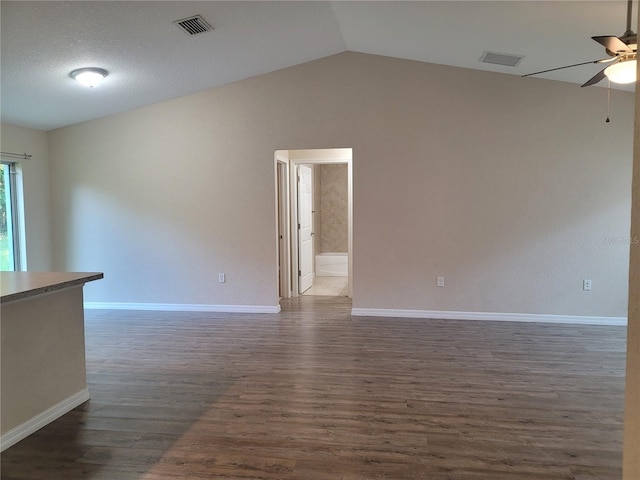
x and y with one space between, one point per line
89 77
622 72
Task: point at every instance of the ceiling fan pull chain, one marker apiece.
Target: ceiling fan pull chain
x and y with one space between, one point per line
608 101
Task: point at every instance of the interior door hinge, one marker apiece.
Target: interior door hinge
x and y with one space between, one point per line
298 226
299 273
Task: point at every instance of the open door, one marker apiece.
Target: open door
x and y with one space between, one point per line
305 228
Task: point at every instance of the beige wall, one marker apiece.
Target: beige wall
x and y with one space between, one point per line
514 189
333 208
43 357
36 191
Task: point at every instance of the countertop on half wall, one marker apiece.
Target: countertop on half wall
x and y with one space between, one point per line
20 285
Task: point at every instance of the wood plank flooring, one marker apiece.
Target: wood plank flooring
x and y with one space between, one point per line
312 393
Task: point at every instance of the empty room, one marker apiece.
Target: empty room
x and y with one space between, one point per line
320 240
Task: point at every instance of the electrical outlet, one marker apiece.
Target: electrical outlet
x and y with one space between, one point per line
440 281
222 278
586 285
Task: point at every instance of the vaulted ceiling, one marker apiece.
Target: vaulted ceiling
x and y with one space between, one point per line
150 59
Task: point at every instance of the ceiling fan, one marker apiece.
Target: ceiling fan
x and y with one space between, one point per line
622 60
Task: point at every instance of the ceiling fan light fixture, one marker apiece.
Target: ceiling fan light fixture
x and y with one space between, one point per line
89 77
622 72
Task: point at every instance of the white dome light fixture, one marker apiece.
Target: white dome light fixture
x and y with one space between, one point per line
622 72
89 77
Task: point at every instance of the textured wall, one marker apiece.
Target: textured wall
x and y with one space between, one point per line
512 188
333 208
317 223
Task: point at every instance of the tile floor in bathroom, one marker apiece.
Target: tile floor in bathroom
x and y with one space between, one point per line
329 286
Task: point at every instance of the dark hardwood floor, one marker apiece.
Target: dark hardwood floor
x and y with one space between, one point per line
312 393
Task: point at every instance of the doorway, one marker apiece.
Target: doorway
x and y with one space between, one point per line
308 262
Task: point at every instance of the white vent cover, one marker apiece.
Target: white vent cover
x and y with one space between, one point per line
194 25
505 59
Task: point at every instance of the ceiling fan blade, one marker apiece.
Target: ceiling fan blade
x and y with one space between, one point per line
600 75
568 66
613 44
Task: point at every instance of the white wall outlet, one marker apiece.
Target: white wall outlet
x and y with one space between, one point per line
586 285
222 278
440 281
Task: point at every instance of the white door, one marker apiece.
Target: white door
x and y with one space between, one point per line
305 228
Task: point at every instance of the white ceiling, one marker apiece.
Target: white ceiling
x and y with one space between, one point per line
149 59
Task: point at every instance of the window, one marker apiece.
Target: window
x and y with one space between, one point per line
9 247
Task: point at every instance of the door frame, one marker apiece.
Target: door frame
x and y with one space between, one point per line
283 233
292 241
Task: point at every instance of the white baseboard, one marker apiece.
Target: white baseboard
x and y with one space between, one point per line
25 429
487 316
182 307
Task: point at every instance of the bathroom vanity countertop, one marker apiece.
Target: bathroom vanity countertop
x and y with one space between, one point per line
21 285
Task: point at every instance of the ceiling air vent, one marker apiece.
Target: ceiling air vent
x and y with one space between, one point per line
194 25
505 59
